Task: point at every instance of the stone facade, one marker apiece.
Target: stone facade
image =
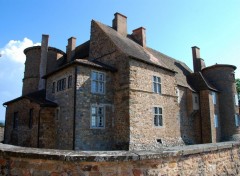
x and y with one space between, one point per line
140 99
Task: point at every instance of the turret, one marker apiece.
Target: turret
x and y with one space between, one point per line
222 77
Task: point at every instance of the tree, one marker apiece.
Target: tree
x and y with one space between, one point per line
238 86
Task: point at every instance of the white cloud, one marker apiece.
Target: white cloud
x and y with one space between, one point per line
13 50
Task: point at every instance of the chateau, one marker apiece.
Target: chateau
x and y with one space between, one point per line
115 93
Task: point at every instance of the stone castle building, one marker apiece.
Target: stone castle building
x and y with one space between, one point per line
113 92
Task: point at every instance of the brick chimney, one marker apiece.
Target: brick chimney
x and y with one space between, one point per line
198 63
71 48
43 61
139 36
119 23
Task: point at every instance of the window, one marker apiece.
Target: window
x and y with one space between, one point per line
97 117
216 121
156 84
97 82
30 118
158 116
53 87
15 120
61 84
236 99
237 121
70 81
214 97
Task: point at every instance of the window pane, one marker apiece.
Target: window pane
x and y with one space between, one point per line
158 88
155 87
158 79
93 121
94 86
101 77
155 110
160 120
94 75
154 78
101 88
160 110
155 121
100 122
94 110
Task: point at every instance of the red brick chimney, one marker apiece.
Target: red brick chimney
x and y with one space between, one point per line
43 61
198 63
119 23
71 48
139 36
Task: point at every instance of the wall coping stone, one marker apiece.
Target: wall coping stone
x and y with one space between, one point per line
106 156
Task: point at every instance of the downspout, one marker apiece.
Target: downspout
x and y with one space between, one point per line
74 106
38 142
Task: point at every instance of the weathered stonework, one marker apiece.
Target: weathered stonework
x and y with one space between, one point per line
62 99
208 159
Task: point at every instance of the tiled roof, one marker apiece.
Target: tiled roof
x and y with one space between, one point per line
86 62
95 64
37 97
199 82
131 48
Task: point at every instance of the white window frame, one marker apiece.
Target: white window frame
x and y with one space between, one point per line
216 124
157 115
157 82
98 82
97 117
214 98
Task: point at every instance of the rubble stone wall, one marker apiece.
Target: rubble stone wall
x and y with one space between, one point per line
204 159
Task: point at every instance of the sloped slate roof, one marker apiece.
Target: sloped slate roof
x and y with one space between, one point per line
37 97
198 82
131 48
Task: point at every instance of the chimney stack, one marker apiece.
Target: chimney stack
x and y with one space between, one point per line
139 36
119 23
198 63
71 48
43 61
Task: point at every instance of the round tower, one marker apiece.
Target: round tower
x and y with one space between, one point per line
31 74
223 78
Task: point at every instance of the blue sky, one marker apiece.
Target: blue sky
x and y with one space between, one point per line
172 27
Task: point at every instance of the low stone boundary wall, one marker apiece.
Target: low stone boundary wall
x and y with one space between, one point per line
204 159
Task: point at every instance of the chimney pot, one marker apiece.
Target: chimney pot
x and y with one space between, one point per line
119 23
